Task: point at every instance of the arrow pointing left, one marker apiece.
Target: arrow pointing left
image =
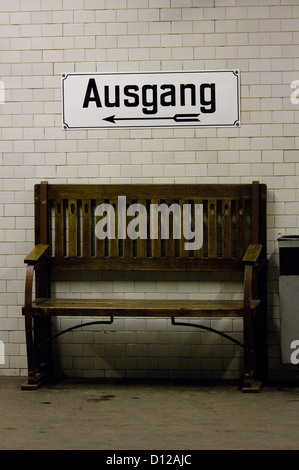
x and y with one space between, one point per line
176 118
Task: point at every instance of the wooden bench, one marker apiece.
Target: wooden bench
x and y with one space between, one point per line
234 240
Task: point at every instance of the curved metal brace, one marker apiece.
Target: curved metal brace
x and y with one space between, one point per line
208 328
81 325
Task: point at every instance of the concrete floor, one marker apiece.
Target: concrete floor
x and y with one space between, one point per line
126 416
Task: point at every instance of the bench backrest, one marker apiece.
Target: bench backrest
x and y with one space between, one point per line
234 215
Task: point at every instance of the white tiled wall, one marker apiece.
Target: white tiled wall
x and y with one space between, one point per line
40 39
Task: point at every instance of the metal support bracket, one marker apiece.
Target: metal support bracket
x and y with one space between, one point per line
173 322
81 325
208 328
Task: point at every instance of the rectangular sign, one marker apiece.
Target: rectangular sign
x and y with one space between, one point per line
151 99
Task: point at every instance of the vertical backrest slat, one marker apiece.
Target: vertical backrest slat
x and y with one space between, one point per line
154 218
86 227
240 227
113 241
128 242
142 242
59 227
183 253
212 228
99 244
169 242
72 227
226 228
198 253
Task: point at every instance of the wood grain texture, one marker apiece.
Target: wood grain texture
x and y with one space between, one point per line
137 307
36 253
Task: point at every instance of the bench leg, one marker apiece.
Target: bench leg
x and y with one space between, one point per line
31 357
251 383
38 359
253 340
248 352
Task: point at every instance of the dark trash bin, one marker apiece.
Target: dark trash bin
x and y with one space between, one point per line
289 297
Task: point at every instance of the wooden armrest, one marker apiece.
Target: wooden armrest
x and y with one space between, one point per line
36 253
252 254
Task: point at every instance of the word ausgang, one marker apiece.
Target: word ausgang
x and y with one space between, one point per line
152 96
145 222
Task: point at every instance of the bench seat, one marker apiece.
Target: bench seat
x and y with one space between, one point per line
141 307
